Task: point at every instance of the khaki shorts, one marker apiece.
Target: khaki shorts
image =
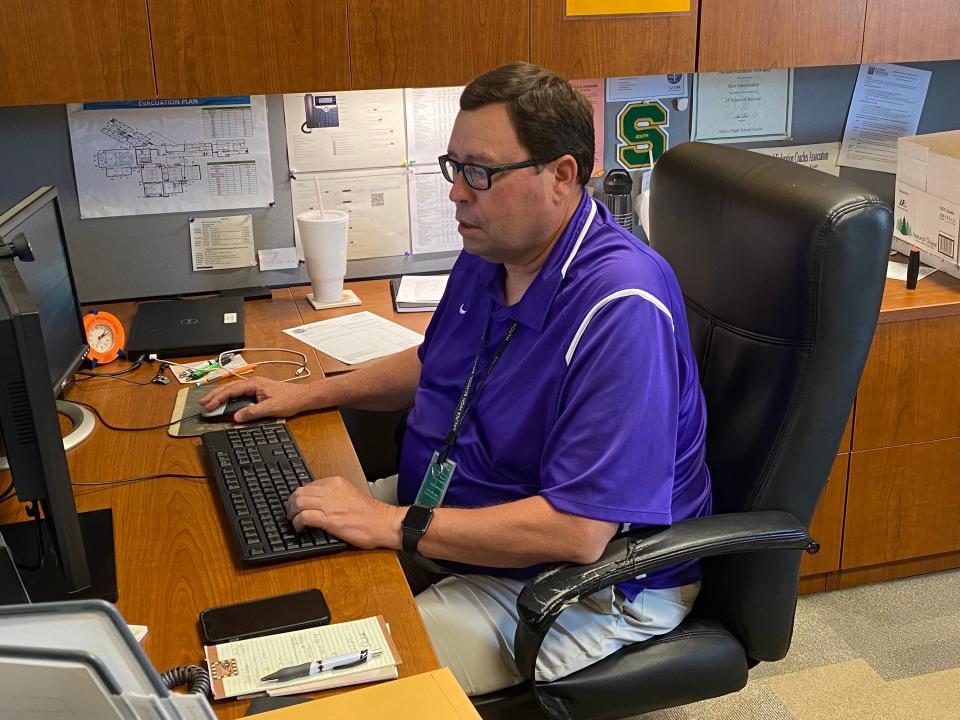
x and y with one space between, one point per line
471 620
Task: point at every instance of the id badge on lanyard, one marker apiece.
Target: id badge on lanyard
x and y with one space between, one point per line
436 479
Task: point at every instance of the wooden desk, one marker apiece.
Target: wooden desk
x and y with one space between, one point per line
174 557
375 295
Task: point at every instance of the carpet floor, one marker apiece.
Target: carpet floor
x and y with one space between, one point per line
889 651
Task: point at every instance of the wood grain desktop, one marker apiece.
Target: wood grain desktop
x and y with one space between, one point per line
174 557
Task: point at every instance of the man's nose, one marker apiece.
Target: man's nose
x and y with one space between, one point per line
460 190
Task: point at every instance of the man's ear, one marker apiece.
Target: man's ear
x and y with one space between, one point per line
565 174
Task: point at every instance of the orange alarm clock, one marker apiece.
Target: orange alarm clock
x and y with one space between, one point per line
105 336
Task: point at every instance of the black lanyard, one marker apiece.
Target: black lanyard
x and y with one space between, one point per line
464 402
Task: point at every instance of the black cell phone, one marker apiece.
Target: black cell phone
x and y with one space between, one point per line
265 616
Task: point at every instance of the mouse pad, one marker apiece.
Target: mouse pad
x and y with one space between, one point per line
188 403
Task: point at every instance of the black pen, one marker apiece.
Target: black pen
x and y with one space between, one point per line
305 670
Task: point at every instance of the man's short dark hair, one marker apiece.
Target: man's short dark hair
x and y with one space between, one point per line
550 116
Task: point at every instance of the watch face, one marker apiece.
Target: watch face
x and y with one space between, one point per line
417 518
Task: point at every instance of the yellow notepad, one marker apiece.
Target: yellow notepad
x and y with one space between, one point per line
434 694
236 668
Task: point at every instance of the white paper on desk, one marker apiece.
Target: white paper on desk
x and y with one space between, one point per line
742 105
820 156
593 91
278 258
646 87
887 103
220 243
422 289
898 271
430 113
179 155
370 133
250 660
433 222
375 200
139 632
357 337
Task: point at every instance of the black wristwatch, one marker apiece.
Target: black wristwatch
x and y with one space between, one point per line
414 526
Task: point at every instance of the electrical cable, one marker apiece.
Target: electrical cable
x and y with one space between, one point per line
302 372
194 677
96 487
134 429
91 375
140 478
113 377
7 492
197 375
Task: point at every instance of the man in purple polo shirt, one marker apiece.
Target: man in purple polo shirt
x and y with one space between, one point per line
554 400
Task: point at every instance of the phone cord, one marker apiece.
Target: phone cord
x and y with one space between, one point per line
194 677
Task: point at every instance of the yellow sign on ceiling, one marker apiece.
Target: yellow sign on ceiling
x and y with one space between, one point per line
625 7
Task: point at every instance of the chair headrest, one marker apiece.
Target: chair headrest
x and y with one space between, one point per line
727 218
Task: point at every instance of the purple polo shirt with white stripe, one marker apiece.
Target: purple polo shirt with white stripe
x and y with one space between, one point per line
595 404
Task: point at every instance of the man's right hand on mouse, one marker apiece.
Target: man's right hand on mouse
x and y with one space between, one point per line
274 398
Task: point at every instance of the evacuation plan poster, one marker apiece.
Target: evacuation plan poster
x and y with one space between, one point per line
177 155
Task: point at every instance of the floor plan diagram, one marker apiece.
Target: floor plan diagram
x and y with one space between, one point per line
171 155
163 166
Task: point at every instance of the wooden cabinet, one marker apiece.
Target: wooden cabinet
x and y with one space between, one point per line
423 43
903 490
894 512
911 30
611 46
219 47
902 503
743 34
60 51
909 391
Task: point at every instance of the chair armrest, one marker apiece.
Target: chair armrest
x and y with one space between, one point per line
544 597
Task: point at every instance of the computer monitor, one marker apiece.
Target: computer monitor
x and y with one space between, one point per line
38 337
49 281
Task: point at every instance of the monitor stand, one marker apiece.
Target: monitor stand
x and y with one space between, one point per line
83 424
47 583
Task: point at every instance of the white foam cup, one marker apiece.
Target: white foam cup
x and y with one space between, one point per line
323 237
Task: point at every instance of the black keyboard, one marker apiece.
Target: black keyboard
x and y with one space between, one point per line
256 470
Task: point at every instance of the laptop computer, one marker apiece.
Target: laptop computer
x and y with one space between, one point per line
178 328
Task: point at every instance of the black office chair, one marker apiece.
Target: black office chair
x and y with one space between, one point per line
782 268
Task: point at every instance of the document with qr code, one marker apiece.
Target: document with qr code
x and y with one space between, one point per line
238 668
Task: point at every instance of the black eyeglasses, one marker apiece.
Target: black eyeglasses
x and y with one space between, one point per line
479 177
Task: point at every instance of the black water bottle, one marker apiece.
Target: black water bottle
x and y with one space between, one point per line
618 197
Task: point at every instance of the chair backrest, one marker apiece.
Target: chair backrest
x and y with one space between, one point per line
782 268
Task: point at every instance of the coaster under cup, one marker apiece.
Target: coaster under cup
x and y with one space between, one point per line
348 298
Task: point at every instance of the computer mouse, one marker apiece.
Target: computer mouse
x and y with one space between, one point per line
225 412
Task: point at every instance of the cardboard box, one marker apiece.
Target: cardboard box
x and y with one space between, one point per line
926 211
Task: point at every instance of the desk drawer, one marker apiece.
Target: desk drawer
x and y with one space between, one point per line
910 390
902 503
